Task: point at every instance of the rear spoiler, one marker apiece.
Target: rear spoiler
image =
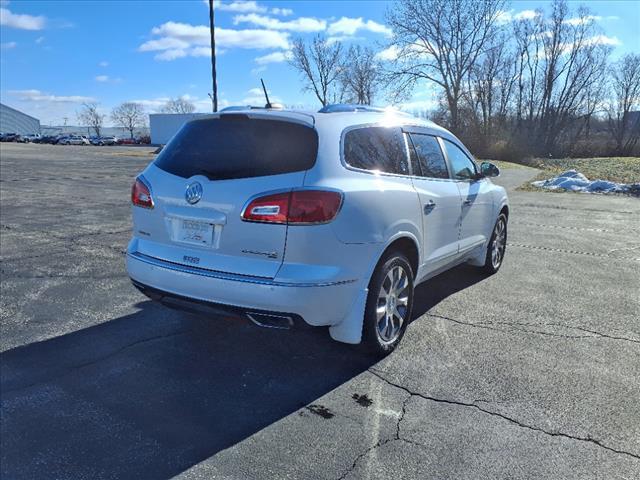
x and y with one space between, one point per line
266 114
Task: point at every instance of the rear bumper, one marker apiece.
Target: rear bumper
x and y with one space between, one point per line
319 303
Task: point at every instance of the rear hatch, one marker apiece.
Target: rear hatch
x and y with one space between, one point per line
203 178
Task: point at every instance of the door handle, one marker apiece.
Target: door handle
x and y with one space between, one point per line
429 206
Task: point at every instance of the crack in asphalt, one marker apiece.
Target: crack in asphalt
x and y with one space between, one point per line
73 368
487 326
534 428
396 438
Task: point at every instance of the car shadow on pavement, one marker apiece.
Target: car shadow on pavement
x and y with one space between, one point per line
151 394
433 291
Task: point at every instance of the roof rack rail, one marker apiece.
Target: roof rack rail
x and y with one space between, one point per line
349 107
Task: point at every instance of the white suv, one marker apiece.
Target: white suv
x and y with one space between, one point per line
329 218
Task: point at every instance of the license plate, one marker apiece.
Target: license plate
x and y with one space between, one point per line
199 233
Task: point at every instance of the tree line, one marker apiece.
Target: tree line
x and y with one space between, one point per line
129 116
539 84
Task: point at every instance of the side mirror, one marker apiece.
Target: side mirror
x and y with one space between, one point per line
488 169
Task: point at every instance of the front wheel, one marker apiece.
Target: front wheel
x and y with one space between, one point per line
389 303
497 246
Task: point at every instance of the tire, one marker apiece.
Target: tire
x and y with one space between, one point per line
389 304
497 246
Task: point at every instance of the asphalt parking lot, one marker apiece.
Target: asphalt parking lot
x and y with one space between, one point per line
531 373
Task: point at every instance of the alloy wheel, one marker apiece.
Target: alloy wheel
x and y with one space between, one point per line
393 304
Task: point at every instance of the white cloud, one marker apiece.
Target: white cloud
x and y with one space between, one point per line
239 6
583 20
8 45
38 96
177 40
39 40
604 40
23 22
302 24
343 38
285 12
390 53
275 57
349 26
506 16
526 15
103 63
102 78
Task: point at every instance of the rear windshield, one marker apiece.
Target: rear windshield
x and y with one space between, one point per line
236 146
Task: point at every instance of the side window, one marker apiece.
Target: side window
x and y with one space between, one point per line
426 151
376 148
462 167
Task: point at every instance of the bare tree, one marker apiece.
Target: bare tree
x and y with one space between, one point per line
361 75
320 64
559 69
572 63
440 41
491 81
129 115
624 128
90 117
178 105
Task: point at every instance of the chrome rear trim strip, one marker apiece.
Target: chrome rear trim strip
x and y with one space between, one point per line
226 276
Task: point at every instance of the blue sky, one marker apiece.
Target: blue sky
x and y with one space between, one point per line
55 55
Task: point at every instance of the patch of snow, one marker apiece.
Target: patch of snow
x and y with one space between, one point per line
574 181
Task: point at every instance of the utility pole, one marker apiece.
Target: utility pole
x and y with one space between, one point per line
213 58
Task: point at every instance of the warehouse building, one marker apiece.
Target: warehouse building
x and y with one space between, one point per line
163 126
14 121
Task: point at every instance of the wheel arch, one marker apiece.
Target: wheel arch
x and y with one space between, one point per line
405 243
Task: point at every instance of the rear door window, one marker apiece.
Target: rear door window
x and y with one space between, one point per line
236 146
463 168
376 148
426 153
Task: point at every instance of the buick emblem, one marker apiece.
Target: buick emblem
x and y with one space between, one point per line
193 193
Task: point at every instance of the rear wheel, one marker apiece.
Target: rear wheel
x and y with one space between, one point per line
389 304
497 246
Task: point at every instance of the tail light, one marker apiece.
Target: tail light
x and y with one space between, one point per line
141 194
297 207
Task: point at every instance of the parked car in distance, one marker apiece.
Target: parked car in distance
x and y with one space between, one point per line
74 140
109 140
31 137
127 141
368 202
11 137
52 139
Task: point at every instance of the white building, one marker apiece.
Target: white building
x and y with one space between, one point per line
163 126
14 121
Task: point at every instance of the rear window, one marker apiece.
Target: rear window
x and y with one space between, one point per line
376 148
236 146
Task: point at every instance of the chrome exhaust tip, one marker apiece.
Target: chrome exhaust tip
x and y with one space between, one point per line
265 320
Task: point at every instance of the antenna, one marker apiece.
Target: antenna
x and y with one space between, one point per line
268 105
